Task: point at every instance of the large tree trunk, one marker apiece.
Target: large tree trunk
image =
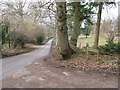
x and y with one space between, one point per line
64 46
56 31
119 23
76 25
9 41
96 42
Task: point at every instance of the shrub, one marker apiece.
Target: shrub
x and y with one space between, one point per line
4 32
40 38
110 47
18 39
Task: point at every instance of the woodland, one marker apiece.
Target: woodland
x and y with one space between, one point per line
77 30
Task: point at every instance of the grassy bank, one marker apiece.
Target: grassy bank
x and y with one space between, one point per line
8 52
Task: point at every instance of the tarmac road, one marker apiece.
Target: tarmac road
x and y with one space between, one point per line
11 64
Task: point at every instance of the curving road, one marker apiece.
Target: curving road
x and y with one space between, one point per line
12 64
43 73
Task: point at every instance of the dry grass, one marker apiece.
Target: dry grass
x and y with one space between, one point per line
90 40
16 51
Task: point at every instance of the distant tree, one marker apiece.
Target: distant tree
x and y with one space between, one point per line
109 29
100 7
86 31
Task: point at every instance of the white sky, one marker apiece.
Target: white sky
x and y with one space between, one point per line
108 13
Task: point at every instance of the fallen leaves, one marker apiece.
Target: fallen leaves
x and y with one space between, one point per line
105 64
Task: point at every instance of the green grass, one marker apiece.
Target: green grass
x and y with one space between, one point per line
90 40
54 42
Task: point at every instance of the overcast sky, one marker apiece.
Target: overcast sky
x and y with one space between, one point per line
107 13
110 13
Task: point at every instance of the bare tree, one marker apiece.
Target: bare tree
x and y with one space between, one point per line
96 42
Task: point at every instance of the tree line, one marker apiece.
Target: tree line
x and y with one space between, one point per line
79 12
63 20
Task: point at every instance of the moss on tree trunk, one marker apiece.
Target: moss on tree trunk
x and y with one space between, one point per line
64 46
76 25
